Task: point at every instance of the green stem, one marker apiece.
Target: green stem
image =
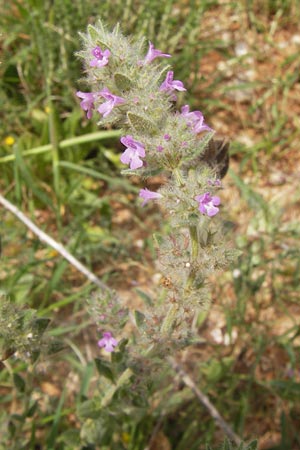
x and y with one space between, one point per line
90 137
194 241
178 177
168 323
194 253
55 157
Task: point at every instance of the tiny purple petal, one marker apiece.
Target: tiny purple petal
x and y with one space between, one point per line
217 182
167 137
208 204
134 152
111 101
154 53
87 103
170 85
194 119
108 342
100 57
147 195
159 148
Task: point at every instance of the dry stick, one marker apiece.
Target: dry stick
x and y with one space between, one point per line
205 401
50 241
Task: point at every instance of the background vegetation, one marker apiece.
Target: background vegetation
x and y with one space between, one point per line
240 61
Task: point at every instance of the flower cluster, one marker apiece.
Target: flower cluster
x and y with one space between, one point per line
136 92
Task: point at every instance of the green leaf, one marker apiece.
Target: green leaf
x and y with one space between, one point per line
32 409
122 345
55 424
123 82
19 382
39 325
252 446
104 369
147 299
141 124
54 346
94 34
71 438
34 355
139 319
91 409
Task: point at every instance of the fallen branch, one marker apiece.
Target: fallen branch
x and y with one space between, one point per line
188 381
44 237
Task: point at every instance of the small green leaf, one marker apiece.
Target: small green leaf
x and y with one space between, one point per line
139 319
93 32
252 446
118 356
147 299
19 382
123 82
104 369
39 325
141 124
122 344
91 409
32 409
34 355
54 346
70 437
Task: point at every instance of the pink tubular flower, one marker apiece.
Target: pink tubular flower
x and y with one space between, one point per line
133 153
100 57
208 204
170 85
147 195
112 101
107 342
154 53
87 103
195 120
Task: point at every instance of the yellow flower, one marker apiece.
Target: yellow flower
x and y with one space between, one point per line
125 438
47 110
9 140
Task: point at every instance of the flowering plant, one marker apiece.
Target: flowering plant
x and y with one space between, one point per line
134 91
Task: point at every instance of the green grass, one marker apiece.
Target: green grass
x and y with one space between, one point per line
64 174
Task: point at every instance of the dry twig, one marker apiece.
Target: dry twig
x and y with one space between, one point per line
188 381
52 243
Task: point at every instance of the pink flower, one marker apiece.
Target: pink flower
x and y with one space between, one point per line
195 120
170 85
112 101
154 53
87 103
147 195
100 57
134 151
107 342
208 204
